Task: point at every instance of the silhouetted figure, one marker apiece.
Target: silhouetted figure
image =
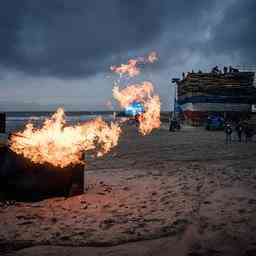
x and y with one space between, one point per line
239 131
215 70
200 71
137 119
233 70
228 131
225 70
248 131
171 126
174 125
183 75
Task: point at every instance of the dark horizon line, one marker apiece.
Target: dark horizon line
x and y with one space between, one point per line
87 112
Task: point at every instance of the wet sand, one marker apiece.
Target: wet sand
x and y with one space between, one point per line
183 193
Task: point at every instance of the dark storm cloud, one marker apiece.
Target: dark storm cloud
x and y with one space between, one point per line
236 34
74 38
79 38
9 25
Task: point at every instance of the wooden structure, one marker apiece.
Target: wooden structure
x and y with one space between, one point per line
229 94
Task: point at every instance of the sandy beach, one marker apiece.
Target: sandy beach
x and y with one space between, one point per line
182 193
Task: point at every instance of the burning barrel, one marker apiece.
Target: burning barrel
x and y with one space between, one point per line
48 161
23 180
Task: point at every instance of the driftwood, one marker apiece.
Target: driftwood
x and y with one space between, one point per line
23 180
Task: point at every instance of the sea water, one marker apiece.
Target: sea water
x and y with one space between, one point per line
16 121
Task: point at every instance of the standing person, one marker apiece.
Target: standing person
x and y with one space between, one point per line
248 133
239 131
228 131
171 126
137 120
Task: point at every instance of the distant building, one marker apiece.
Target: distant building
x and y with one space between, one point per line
229 94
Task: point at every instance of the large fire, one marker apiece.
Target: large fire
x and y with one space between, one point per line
132 67
143 93
62 145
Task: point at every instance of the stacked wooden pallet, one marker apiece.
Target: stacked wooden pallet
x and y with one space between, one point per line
198 84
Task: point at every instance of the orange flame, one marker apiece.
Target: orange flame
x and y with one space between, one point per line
152 57
62 145
131 68
143 93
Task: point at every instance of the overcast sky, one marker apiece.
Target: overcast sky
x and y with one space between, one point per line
58 52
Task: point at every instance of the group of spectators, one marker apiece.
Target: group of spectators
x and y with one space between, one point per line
215 70
230 69
242 130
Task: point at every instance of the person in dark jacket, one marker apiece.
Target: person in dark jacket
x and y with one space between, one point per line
239 131
228 131
137 119
248 131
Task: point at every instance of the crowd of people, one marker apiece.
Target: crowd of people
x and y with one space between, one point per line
215 70
244 132
230 69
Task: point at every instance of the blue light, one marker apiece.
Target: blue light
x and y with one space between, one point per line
134 109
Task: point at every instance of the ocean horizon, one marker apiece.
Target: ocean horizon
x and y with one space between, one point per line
16 120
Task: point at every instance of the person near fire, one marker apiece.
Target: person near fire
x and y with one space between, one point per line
137 119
